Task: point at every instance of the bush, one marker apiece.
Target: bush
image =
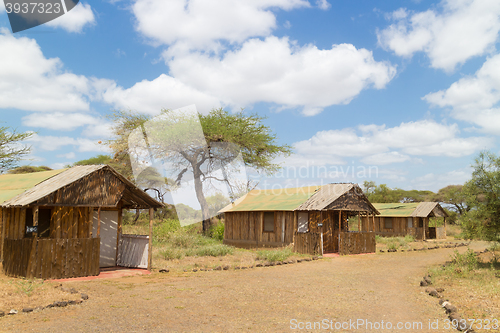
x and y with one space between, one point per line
217 231
468 260
163 230
214 250
171 253
275 255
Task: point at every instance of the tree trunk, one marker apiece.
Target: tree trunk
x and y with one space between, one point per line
198 186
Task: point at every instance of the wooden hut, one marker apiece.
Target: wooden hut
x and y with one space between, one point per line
65 223
313 218
400 219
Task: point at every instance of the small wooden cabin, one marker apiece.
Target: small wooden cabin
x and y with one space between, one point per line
400 219
65 223
275 218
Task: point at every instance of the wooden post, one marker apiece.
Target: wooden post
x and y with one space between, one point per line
118 231
359 222
98 222
444 224
373 220
4 214
91 221
150 245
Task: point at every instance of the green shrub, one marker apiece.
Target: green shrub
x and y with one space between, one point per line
393 246
217 231
275 255
409 238
162 231
171 253
468 260
214 250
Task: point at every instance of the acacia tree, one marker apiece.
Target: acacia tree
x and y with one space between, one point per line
256 142
483 194
11 149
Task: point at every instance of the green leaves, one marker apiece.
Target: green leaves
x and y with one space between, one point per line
11 149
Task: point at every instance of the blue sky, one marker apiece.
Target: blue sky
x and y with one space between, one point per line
404 93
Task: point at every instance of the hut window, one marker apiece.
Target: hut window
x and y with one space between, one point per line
420 222
268 221
44 222
388 223
410 222
303 222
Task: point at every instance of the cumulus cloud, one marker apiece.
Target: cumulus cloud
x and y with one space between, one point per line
59 121
434 182
380 145
29 81
53 143
164 92
276 70
323 4
203 23
75 20
474 98
459 30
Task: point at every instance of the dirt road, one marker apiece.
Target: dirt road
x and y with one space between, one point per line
353 291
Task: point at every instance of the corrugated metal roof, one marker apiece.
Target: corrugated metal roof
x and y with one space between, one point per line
425 209
12 185
65 177
325 196
415 209
290 199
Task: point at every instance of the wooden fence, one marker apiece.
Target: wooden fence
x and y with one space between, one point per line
51 258
357 242
307 243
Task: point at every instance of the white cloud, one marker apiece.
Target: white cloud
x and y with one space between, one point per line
59 121
2 7
164 92
474 98
68 156
434 182
74 20
460 30
53 143
278 71
386 158
380 145
29 81
203 23
323 4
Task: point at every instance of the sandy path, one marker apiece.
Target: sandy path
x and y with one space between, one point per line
364 287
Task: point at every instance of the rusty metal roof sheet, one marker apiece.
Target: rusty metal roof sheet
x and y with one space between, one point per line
301 198
50 183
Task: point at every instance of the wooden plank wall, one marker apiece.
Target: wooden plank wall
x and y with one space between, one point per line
248 226
51 258
357 242
307 243
65 222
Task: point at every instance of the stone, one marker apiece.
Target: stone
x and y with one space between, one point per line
315 258
85 297
308 259
237 267
61 304
28 310
195 270
258 265
12 312
439 290
225 267
2 313
278 263
450 308
423 283
164 270
291 261
299 260
218 268
428 280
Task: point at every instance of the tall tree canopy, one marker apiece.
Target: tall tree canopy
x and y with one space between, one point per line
247 132
483 191
11 148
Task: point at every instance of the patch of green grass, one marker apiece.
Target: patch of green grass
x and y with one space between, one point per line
395 242
26 286
275 255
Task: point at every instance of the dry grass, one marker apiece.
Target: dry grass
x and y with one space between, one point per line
23 293
472 284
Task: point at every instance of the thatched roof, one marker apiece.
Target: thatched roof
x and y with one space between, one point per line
343 196
88 185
